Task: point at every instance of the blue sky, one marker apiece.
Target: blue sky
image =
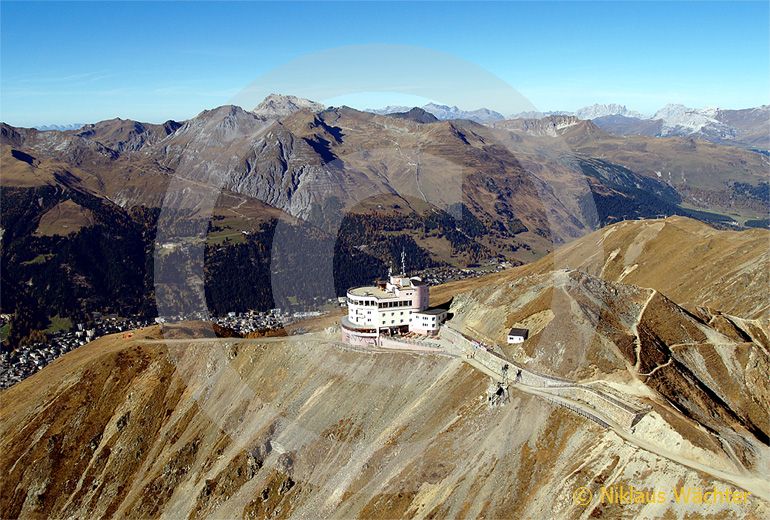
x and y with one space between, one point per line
64 62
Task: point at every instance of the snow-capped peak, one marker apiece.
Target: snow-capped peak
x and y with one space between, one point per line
680 120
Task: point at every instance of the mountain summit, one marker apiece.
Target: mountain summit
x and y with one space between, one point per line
276 106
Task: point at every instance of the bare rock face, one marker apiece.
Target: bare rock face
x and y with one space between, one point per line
585 328
230 148
698 368
525 186
123 135
552 126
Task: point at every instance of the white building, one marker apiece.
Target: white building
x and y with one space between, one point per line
428 321
395 306
517 335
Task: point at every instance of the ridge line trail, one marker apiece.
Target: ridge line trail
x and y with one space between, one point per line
635 328
664 365
295 338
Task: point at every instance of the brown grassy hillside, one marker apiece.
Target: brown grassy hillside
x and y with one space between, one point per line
690 262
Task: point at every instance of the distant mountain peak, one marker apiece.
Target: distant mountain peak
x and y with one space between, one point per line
588 112
480 115
552 125
445 112
279 105
746 126
603 110
679 119
416 114
60 128
672 109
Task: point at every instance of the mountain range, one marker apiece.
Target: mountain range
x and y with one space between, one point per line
61 128
747 127
588 112
83 208
634 273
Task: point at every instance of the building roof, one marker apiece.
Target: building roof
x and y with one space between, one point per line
379 290
518 332
371 291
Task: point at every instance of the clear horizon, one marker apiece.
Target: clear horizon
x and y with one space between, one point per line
154 62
